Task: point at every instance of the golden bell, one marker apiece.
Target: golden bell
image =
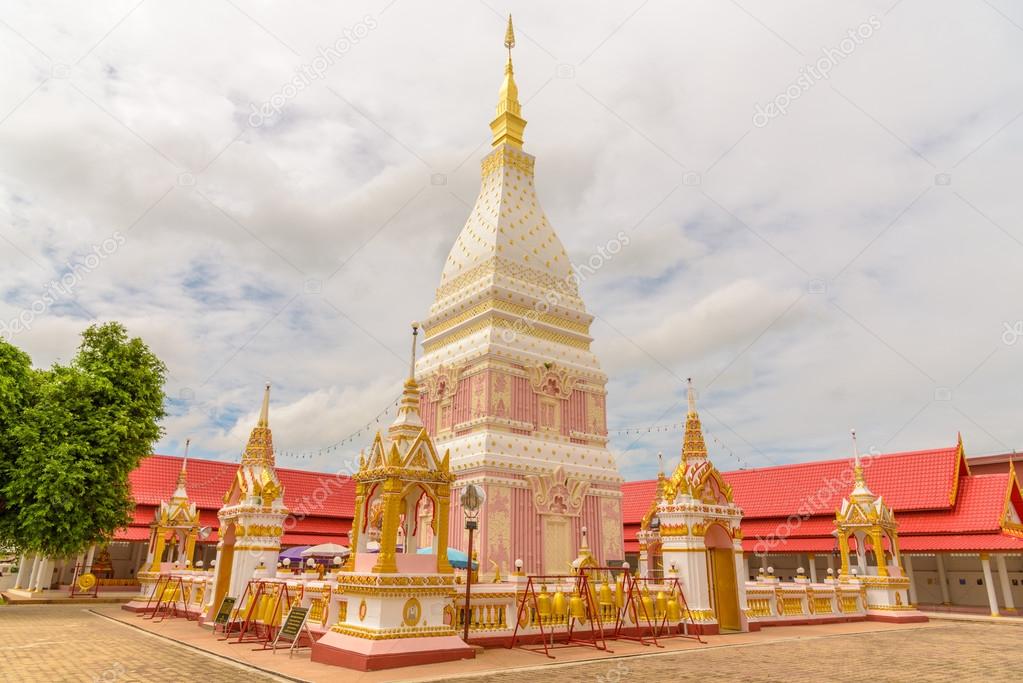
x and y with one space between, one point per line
647 611
620 592
559 605
674 612
578 607
661 603
605 595
543 603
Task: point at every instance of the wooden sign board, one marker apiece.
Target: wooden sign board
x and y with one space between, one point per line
291 629
293 624
224 613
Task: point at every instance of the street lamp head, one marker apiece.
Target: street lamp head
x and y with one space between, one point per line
472 500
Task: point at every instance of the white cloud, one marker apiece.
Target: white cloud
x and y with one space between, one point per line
817 276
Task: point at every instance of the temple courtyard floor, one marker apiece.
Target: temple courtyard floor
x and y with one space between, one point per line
104 643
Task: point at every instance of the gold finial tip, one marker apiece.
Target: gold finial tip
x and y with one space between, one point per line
509 34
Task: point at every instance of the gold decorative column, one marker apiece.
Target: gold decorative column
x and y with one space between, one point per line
158 551
443 506
882 563
360 501
843 548
386 562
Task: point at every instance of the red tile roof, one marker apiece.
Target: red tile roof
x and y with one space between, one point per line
966 542
938 504
321 504
978 508
917 480
319 493
636 499
918 485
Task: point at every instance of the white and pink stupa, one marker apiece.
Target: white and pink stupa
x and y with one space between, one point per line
510 385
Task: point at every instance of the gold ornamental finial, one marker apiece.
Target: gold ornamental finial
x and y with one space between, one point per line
182 476
857 466
264 412
860 489
856 450
508 126
509 36
180 494
407 423
693 445
412 363
260 448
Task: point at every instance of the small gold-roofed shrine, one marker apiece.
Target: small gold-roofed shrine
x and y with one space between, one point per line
402 477
398 593
866 526
252 518
176 525
692 532
865 519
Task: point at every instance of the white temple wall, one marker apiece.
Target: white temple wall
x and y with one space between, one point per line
965 579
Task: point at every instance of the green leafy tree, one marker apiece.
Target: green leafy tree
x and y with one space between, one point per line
15 378
82 429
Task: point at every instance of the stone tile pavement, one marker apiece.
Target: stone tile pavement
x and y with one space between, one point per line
57 643
69 643
961 652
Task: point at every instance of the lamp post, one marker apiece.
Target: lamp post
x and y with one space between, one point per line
472 500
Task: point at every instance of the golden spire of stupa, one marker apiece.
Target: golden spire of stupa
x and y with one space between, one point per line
693 445
260 449
509 125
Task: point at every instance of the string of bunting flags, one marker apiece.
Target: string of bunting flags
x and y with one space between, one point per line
677 427
336 446
625 431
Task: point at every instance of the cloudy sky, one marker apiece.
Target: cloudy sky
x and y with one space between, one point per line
824 226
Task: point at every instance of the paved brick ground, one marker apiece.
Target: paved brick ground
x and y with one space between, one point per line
961 652
67 643
51 643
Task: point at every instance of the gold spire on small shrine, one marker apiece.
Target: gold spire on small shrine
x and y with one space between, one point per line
408 423
860 488
260 448
693 445
508 126
181 493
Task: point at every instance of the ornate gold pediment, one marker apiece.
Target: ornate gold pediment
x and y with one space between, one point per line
442 383
557 493
549 379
